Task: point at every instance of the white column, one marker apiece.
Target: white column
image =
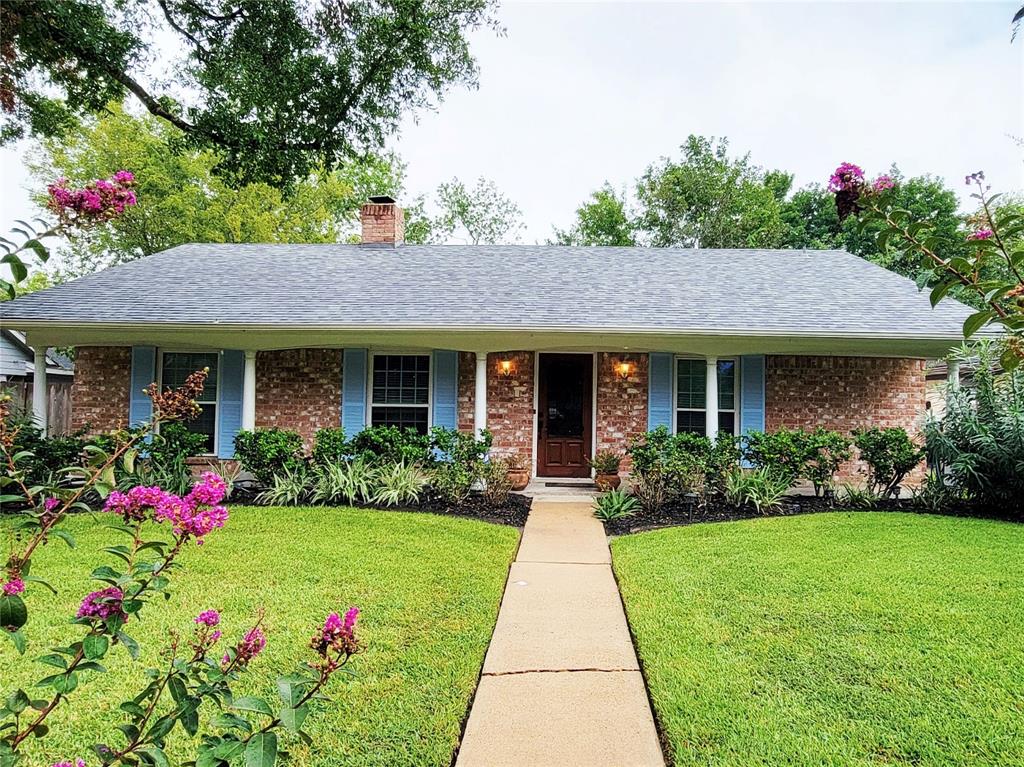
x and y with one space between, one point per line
480 394
953 372
249 392
711 399
39 398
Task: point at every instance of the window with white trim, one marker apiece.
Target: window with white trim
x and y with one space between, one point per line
400 391
175 367
691 395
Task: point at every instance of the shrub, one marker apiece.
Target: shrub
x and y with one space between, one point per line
890 455
679 464
166 463
452 482
290 487
855 497
330 446
977 448
399 484
650 489
826 452
49 454
496 482
389 444
799 454
269 452
615 504
460 446
348 483
606 462
763 487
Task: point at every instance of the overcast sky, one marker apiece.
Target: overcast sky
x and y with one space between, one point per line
578 93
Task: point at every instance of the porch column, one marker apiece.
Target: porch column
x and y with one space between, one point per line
480 394
953 373
711 399
39 398
249 392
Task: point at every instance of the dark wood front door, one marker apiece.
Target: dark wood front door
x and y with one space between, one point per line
564 407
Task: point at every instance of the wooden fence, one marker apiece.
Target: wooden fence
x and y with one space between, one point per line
59 407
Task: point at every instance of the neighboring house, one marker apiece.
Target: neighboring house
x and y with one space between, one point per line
559 351
17 374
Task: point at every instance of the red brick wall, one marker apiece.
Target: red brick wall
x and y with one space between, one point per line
844 393
510 404
299 389
621 404
467 390
101 391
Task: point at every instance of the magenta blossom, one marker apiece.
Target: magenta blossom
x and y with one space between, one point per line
338 634
981 234
209 490
77 763
98 201
208 618
103 604
882 183
50 504
252 644
846 176
195 515
13 586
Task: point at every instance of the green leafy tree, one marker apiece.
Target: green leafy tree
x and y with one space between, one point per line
481 215
810 220
602 220
711 200
281 87
181 198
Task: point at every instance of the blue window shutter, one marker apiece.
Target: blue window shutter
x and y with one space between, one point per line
140 407
445 371
353 391
229 407
659 398
751 393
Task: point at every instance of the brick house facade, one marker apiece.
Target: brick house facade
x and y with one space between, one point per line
301 389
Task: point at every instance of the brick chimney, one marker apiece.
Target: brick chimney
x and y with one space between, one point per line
383 222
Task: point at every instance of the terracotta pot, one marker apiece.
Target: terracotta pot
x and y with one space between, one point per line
520 478
606 482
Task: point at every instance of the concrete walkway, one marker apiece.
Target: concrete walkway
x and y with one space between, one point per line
561 684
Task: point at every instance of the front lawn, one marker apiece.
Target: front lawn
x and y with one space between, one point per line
832 639
429 588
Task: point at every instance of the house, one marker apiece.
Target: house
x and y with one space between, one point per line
18 363
559 351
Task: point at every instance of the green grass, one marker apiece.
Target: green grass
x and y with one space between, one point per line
832 639
429 587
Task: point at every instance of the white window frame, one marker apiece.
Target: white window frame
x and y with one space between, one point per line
216 403
370 404
735 409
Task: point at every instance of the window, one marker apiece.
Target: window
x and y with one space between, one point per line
175 368
691 396
401 391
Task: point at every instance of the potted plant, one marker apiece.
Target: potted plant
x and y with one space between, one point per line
606 470
518 473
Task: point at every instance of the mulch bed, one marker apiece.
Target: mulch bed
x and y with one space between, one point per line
513 512
683 513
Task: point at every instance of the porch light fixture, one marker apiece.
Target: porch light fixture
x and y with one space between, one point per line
505 367
623 369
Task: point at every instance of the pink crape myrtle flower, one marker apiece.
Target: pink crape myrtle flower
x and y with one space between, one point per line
77 763
981 234
882 183
13 586
209 490
845 176
208 618
252 644
99 200
338 634
103 604
195 515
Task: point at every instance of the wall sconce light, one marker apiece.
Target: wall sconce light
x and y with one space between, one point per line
623 369
505 367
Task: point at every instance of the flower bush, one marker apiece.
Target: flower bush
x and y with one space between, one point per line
76 210
993 271
158 525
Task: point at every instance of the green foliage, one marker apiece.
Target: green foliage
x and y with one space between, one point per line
279 88
669 466
389 444
496 482
798 454
851 496
399 484
602 220
977 448
166 458
266 453
330 446
606 462
615 504
46 455
181 197
763 487
482 215
890 455
711 200
452 482
289 486
348 482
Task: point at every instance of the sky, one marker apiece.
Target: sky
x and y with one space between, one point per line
576 94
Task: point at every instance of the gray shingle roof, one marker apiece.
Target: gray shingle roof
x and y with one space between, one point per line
796 292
